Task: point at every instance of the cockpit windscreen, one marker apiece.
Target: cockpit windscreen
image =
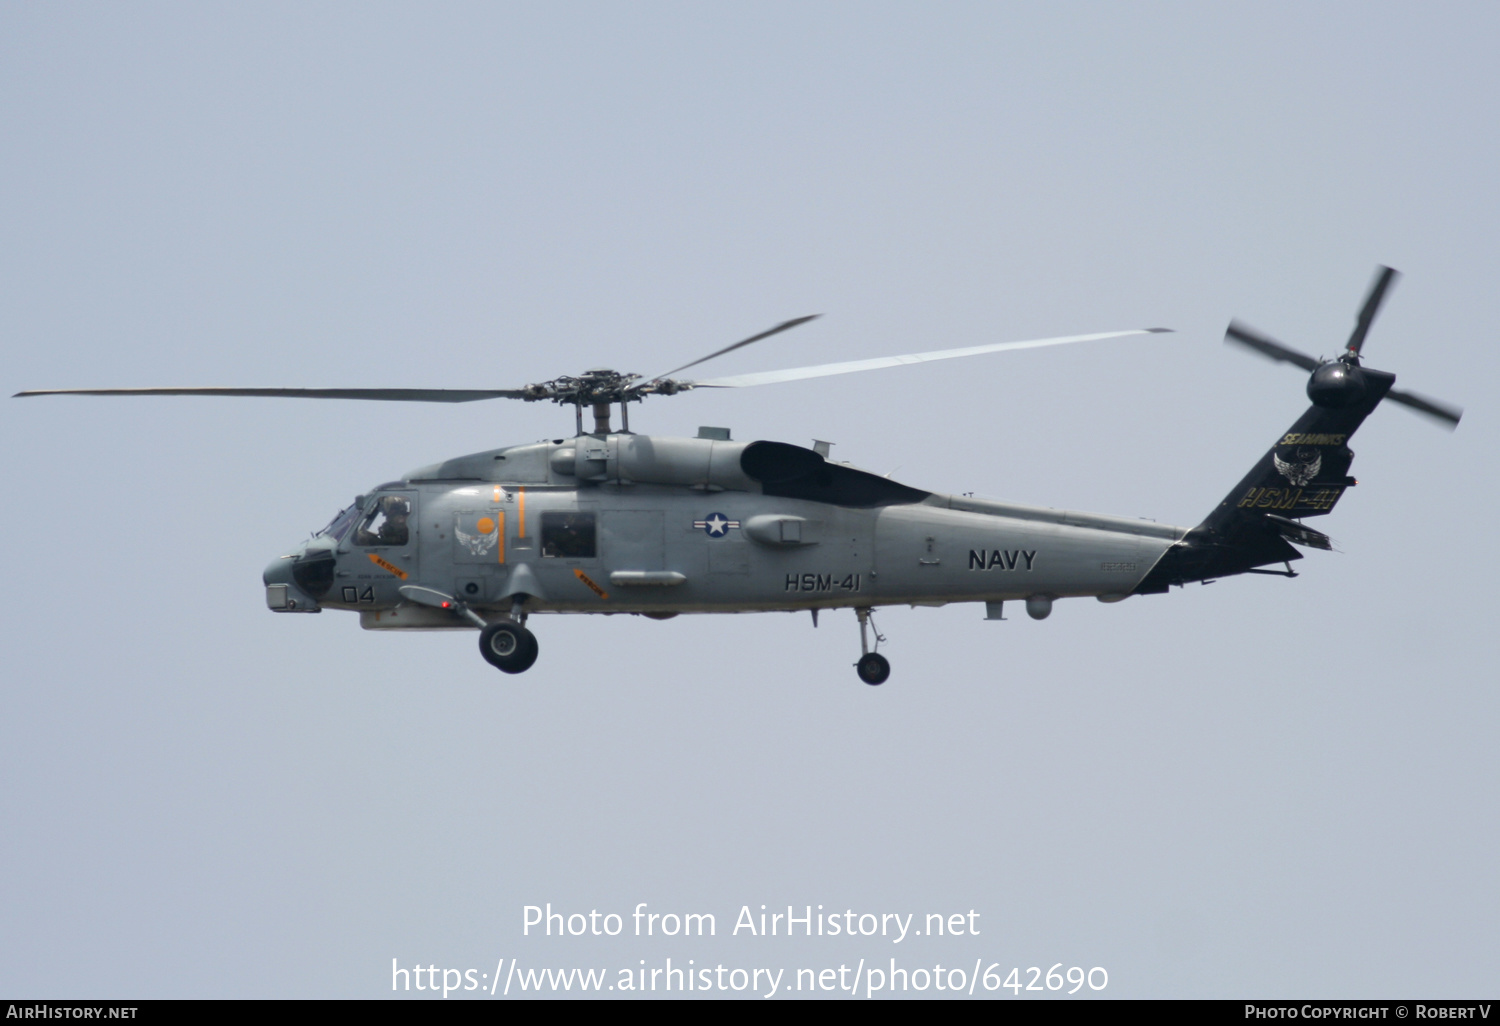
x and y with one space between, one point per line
340 524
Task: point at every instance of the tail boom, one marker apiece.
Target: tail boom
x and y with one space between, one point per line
1303 475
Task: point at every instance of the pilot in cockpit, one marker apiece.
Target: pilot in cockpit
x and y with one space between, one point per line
386 523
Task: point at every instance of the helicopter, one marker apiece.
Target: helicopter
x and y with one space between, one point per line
611 521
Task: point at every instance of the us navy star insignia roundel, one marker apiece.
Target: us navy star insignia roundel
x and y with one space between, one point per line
716 525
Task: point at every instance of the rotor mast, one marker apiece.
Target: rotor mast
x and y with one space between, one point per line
601 409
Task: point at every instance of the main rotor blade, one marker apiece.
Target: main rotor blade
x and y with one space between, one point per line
783 326
409 395
1246 336
826 369
1384 277
1445 414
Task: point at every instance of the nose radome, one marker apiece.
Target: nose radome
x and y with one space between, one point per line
279 571
282 593
288 579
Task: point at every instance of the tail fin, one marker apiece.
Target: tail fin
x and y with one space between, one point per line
1303 475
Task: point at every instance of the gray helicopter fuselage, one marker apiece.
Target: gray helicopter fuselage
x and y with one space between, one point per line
627 523
616 522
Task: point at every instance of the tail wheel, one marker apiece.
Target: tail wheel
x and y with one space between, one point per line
508 646
873 668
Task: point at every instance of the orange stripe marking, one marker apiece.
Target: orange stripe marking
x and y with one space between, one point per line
392 567
592 586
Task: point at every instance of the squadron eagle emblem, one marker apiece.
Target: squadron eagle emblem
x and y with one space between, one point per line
1300 473
482 536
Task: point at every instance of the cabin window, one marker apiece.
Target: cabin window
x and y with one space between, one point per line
568 535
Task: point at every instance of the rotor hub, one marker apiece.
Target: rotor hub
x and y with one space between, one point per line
591 388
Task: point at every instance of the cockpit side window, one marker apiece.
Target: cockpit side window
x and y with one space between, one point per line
386 522
568 535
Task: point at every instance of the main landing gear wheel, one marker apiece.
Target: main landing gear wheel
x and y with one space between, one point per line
873 668
508 646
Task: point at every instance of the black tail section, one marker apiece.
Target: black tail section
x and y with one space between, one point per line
1303 475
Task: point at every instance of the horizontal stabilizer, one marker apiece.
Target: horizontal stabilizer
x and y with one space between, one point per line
1300 534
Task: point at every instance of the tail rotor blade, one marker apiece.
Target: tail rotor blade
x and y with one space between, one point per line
1383 281
1247 336
1446 415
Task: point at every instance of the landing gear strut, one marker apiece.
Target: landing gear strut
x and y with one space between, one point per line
873 668
506 644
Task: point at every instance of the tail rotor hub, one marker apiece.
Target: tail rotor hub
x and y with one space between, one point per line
1341 383
1338 383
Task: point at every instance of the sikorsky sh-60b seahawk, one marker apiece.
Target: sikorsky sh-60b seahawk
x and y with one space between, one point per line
610 521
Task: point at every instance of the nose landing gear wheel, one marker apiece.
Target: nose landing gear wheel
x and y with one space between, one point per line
508 646
873 668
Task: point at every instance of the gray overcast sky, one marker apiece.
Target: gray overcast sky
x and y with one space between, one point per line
1263 787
